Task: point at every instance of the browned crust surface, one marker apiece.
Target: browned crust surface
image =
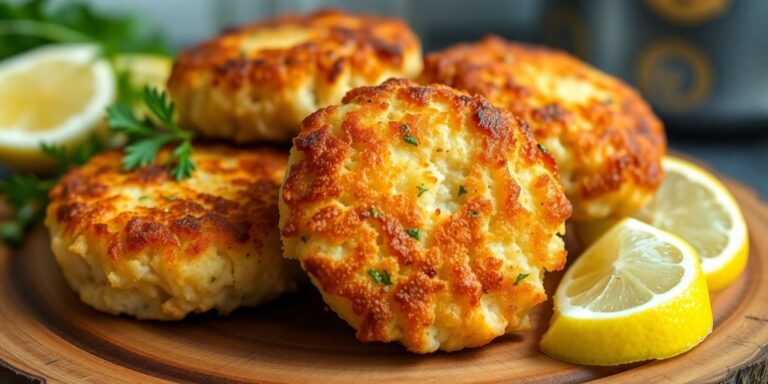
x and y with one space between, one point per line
354 187
240 68
612 141
230 201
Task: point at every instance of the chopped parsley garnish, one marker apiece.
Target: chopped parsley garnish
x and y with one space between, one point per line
381 278
374 213
462 190
173 197
407 135
413 233
421 189
474 213
520 278
213 278
542 148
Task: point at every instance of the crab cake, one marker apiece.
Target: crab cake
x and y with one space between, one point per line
259 81
141 244
607 142
423 215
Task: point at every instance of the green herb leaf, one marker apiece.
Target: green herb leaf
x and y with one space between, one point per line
143 153
184 164
381 278
28 197
407 135
414 233
121 119
160 105
520 278
542 148
421 189
12 232
462 190
146 140
374 213
474 213
79 155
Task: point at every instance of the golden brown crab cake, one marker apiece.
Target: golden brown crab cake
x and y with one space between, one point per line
423 215
259 81
607 142
141 244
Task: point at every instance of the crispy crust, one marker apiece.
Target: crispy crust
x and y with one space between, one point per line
607 141
227 212
398 157
257 82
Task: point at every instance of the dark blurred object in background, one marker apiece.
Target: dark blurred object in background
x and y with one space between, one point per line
703 64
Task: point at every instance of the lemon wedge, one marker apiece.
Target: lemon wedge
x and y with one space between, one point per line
55 94
144 69
637 293
694 205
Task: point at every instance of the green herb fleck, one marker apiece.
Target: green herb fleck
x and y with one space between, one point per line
213 278
474 213
542 148
413 233
421 189
303 238
171 197
381 278
143 197
407 135
374 213
462 190
520 278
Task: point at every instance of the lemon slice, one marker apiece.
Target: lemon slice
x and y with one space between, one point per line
55 94
694 205
638 293
145 69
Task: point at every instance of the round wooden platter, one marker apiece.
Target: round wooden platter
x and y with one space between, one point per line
46 334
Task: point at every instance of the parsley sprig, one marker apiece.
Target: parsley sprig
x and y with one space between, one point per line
146 139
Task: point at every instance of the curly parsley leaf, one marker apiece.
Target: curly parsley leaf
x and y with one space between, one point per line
145 140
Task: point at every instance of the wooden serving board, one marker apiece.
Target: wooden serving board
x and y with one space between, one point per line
46 334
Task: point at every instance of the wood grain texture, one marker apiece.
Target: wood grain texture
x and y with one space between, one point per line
46 334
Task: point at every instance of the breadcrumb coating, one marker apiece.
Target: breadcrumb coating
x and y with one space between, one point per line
423 215
259 81
607 142
140 243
